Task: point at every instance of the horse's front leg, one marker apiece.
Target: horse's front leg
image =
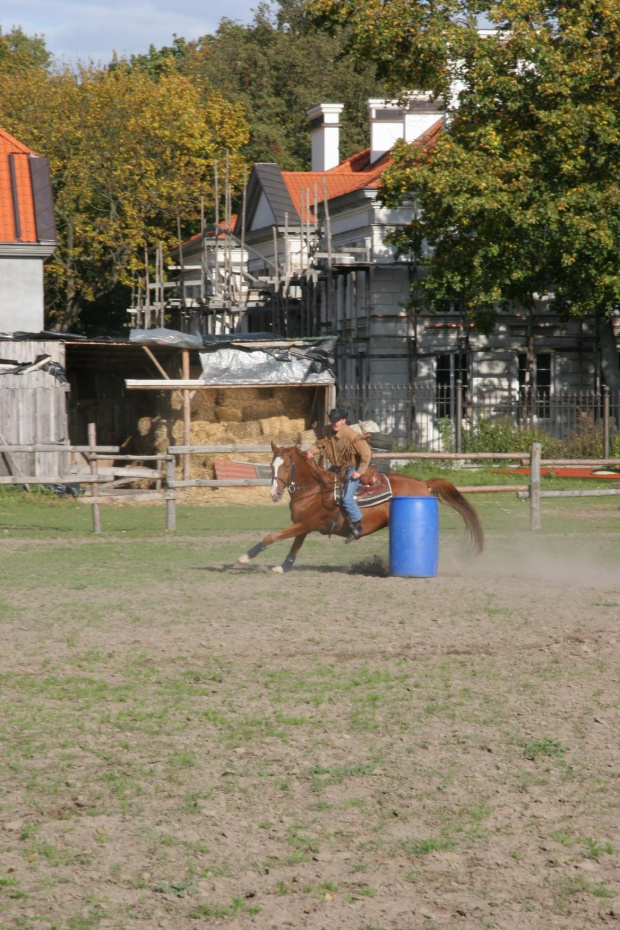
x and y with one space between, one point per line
296 529
289 561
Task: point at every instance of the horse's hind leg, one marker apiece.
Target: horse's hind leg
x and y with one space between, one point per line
289 561
295 529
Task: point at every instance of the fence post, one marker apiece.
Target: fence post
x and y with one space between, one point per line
171 504
535 486
459 415
605 422
94 488
186 413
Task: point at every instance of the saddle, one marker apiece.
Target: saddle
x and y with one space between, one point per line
374 489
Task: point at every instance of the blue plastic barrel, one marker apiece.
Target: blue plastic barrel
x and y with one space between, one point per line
414 536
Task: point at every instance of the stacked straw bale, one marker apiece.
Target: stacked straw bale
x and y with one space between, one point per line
221 416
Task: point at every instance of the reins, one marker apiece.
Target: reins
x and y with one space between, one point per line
318 484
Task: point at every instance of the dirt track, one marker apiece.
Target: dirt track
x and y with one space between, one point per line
319 750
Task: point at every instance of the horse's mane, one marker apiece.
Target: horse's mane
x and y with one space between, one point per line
321 474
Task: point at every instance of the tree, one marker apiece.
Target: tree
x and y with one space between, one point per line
19 51
277 67
128 155
520 198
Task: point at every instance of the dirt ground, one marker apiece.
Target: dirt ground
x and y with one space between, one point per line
187 745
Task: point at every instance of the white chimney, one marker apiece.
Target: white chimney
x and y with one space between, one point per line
422 112
325 129
386 126
390 121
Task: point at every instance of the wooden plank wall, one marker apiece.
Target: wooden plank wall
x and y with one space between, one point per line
33 409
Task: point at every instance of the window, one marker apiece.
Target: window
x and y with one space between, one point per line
449 371
535 386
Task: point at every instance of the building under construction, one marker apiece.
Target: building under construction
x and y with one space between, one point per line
307 257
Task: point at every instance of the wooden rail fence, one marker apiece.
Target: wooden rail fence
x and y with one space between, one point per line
168 483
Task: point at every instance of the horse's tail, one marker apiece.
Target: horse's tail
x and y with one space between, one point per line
451 496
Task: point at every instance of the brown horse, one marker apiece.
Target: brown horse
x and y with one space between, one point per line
313 507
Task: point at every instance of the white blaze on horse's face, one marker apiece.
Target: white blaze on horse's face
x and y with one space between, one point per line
277 487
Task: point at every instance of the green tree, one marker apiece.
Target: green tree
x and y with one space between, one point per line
128 154
277 67
19 51
520 198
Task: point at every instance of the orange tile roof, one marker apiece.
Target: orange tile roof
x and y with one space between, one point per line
221 224
21 179
354 173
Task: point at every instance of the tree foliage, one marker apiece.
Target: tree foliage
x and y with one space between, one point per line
277 68
520 198
132 145
128 154
19 51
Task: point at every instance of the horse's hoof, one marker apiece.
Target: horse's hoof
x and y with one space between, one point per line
240 564
278 568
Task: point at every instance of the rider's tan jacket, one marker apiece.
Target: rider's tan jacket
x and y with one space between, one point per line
344 448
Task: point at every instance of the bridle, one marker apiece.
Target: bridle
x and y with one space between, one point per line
292 487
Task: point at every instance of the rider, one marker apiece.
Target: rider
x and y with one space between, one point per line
349 452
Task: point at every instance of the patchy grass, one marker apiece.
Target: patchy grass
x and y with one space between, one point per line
182 744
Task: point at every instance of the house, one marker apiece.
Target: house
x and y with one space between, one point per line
27 235
311 253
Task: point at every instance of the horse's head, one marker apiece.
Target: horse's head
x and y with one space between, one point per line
282 470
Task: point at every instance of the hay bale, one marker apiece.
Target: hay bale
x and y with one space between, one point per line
248 433
144 426
175 400
151 436
239 397
267 407
207 434
308 437
229 414
274 427
297 401
202 404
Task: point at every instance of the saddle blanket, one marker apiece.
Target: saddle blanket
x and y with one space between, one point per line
369 495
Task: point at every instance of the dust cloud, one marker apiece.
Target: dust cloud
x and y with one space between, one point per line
560 560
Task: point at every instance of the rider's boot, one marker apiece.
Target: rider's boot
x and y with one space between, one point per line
356 532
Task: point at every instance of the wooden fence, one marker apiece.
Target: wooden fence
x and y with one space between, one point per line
168 484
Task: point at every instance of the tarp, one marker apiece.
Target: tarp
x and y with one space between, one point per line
9 366
308 364
171 337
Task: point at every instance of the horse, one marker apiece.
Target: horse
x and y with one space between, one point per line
314 508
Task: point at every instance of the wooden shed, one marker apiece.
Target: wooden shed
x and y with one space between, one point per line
33 405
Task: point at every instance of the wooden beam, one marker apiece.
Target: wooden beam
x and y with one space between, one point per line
175 384
231 447
48 479
156 363
224 483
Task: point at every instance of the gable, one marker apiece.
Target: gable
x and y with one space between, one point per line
263 215
268 194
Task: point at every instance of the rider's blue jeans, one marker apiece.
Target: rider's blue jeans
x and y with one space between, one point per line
348 502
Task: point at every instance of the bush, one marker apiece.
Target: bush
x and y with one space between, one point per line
504 435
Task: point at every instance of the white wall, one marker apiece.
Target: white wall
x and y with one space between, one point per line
21 295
